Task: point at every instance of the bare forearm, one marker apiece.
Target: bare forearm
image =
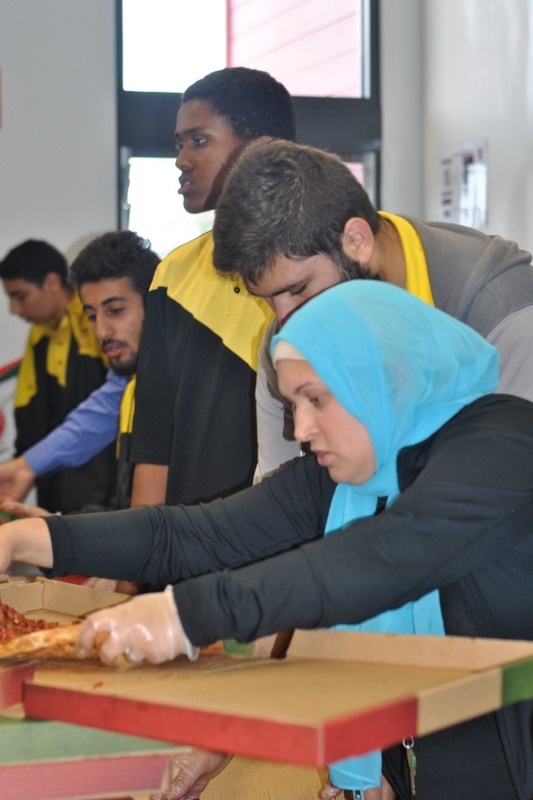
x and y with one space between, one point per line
26 540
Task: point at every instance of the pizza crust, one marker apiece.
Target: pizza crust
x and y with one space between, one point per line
60 641
57 642
22 637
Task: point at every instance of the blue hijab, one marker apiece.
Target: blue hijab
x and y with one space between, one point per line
403 369
400 366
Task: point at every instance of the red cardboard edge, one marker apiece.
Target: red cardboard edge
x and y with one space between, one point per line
375 729
84 778
12 680
307 745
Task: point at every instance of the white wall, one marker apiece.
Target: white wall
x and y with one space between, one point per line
401 106
452 71
57 132
479 83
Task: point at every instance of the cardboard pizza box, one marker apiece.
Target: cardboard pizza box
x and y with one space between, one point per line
52 761
336 694
54 601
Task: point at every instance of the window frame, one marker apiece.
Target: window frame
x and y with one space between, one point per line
349 127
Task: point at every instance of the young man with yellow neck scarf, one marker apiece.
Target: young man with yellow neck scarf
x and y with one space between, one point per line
112 275
293 220
62 364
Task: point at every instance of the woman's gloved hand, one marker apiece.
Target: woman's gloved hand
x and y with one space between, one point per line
146 627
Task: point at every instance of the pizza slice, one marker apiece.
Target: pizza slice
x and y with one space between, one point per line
53 642
22 637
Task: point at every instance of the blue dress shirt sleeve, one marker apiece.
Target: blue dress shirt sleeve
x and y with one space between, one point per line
87 430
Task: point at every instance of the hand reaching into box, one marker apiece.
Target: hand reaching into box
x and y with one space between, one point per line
145 628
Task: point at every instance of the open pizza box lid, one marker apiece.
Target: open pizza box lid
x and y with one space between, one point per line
335 694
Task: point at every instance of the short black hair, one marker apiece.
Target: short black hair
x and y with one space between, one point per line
285 199
115 255
254 103
32 260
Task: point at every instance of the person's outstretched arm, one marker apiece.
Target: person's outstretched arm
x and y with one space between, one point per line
26 540
86 431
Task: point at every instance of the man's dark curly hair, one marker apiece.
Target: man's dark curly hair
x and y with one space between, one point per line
254 103
119 254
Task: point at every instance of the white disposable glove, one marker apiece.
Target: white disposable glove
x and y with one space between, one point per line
147 627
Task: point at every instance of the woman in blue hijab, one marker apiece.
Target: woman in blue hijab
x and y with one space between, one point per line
401 370
414 513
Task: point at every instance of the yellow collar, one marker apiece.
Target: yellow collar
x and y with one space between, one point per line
416 271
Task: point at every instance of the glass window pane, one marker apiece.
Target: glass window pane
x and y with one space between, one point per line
167 44
155 210
315 48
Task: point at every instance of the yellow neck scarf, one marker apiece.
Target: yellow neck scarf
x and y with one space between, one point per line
75 324
416 271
